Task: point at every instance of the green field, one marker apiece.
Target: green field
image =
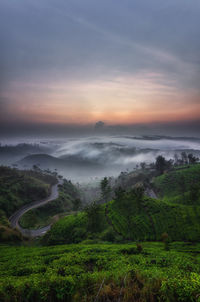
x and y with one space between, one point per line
76 272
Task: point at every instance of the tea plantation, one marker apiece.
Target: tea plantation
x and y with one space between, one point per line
100 272
132 248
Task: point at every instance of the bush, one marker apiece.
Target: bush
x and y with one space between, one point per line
108 235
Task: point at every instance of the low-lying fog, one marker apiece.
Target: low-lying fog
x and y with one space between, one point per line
86 159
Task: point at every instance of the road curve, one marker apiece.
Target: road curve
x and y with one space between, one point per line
151 193
14 219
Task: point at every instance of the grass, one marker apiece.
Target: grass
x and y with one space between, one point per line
75 272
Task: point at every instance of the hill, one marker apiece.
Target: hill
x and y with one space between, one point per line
67 202
147 221
7 234
181 185
44 161
18 188
133 216
10 154
72 167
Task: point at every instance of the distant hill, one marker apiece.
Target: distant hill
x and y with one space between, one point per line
69 166
44 161
10 154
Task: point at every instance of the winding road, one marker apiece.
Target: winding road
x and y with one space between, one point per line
14 219
151 193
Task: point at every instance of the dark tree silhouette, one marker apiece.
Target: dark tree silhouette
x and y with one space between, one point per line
105 189
161 164
192 159
93 212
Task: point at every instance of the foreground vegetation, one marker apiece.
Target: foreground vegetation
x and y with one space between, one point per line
103 272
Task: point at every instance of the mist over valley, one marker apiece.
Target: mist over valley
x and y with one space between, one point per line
88 159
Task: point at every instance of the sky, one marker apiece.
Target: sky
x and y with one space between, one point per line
75 62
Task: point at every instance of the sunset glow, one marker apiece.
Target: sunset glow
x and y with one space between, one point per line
81 66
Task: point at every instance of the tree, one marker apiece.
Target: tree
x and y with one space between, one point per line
137 195
143 165
192 159
36 168
176 159
105 189
119 193
160 164
182 185
166 240
194 193
93 212
76 204
184 157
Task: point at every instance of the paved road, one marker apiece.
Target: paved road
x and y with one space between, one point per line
150 192
14 219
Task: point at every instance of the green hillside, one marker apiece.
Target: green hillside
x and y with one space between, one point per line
7 234
22 187
146 220
78 227
18 188
178 182
100 273
179 221
68 201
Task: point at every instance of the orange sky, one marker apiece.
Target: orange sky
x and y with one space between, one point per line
142 98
